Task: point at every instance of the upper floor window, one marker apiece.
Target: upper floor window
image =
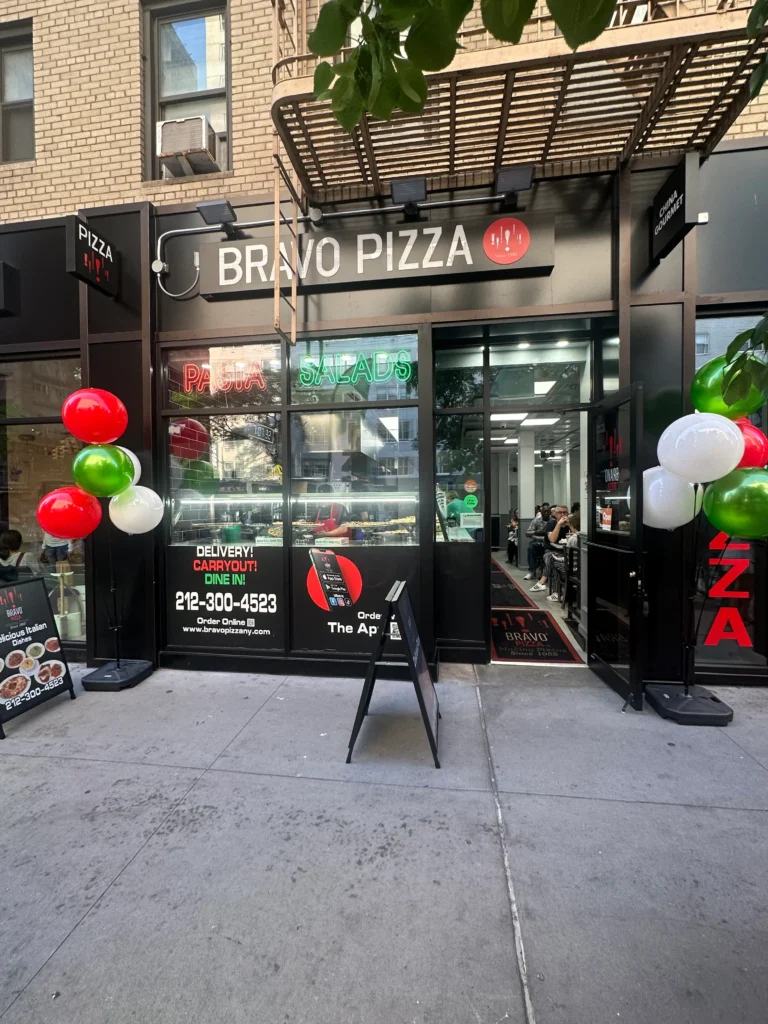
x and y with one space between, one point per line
17 113
190 107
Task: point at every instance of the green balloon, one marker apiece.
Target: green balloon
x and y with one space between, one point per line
707 390
200 476
102 470
737 503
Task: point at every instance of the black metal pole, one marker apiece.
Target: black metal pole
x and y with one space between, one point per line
689 666
116 624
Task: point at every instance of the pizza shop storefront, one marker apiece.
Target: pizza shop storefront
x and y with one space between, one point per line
447 371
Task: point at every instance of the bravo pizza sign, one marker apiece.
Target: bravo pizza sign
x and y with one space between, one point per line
393 253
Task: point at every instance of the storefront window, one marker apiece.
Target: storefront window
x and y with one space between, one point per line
540 371
459 486
459 377
226 479
355 477
363 369
224 376
37 387
732 591
36 458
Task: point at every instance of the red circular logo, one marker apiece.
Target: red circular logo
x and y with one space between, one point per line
352 578
506 240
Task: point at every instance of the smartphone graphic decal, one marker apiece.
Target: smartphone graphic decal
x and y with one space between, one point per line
331 579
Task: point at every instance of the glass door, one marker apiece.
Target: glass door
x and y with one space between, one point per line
615 600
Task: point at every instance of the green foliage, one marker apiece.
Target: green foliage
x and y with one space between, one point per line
400 39
742 370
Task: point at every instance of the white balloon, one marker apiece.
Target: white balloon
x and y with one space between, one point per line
136 464
136 510
668 501
701 447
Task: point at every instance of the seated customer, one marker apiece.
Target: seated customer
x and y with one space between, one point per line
536 539
13 561
557 531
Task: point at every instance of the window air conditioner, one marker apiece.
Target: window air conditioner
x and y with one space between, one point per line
187 146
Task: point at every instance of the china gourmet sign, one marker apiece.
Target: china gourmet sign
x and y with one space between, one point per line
675 208
388 254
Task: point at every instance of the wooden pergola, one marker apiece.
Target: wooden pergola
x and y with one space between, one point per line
661 87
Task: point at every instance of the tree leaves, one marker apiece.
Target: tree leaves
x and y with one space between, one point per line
506 19
431 43
737 344
758 78
347 102
581 21
742 370
758 17
382 81
330 32
413 86
324 75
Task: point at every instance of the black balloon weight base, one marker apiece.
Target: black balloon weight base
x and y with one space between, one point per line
111 677
698 707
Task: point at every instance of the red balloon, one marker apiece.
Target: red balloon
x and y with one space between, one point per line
95 416
69 513
755 445
188 438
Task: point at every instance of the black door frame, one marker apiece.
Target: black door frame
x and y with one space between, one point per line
628 549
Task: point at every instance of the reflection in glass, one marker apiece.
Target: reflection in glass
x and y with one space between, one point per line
226 480
35 387
229 376
610 351
613 499
34 459
546 372
459 485
364 369
192 55
459 377
355 476
17 82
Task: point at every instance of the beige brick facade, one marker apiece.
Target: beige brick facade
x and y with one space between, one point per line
88 63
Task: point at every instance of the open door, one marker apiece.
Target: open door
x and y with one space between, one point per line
615 599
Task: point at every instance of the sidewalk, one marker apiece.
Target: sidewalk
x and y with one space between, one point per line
196 851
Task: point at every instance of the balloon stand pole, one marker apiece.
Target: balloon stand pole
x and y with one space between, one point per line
122 673
686 703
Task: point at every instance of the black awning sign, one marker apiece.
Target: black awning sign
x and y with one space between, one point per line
675 208
92 258
387 253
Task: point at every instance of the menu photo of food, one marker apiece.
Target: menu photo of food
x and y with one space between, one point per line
34 665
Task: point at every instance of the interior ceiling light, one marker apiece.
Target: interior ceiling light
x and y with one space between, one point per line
511 417
512 440
563 344
612 341
541 422
523 344
504 438
541 387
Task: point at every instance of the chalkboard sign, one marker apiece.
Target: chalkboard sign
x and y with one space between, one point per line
399 614
32 665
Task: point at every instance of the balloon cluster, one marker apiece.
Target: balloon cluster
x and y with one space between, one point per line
101 470
718 446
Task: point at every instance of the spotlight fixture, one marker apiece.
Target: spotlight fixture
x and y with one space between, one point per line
219 211
512 180
409 192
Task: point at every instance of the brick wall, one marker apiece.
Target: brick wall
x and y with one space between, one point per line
88 58
88 62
